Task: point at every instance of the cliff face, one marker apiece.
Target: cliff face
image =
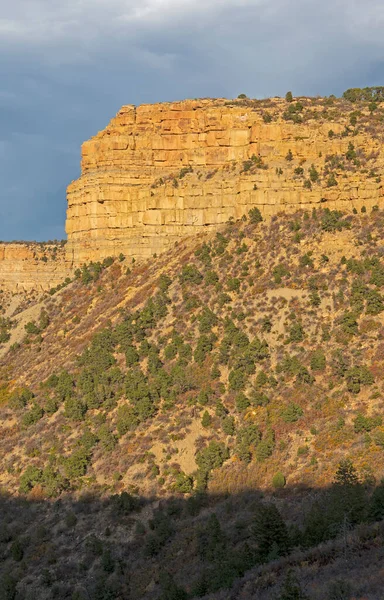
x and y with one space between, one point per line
160 172
32 266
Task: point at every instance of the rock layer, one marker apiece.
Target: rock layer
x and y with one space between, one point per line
158 173
161 172
30 266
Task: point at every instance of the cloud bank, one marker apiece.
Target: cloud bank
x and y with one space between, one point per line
66 68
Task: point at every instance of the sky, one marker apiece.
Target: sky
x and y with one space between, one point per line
66 67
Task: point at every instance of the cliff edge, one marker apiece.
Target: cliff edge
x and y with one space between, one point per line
158 173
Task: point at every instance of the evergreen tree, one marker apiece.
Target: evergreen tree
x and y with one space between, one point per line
270 532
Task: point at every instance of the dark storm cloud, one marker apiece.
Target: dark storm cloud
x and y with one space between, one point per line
66 68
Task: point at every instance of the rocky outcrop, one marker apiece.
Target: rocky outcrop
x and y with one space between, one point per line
161 172
30 266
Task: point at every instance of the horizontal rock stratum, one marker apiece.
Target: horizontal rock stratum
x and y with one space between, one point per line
161 172
32 266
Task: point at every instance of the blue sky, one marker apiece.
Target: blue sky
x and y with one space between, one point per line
67 67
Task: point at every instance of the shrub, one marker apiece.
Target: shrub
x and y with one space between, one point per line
255 215
291 413
17 551
75 409
375 302
237 379
212 456
362 423
123 503
19 398
331 181
348 323
280 271
289 97
289 156
206 420
278 480
207 320
211 278
33 416
76 464
358 376
242 402
296 332
228 425
313 174
31 328
183 483
346 473
190 274
107 439
31 477
318 360
203 348
265 448
248 439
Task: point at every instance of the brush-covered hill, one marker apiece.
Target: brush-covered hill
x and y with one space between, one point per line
175 428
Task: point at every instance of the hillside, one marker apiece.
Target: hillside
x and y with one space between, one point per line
155 415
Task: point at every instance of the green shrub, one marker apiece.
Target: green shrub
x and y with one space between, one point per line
31 477
183 483
358 376
248 439
190 274
237 379
31 328
289 97
265 448
313 174
362 423
212 456
206 420
291 413
278 480
228 425
255 216
76 464
242 402
318 360
33 415
75 409
296 332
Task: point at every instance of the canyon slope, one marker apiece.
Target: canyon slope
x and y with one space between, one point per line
173 428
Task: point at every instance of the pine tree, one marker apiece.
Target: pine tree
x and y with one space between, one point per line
270 532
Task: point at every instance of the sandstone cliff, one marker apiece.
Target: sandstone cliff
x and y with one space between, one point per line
160 172
32 266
